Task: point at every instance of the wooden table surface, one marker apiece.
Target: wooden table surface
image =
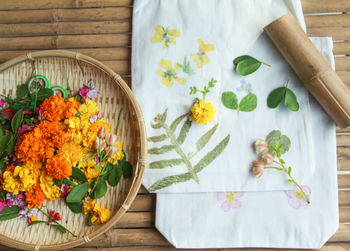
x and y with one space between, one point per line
102 29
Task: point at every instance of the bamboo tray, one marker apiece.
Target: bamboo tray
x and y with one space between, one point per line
72 69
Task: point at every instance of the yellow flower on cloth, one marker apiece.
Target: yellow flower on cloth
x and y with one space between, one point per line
170 74
202 112
48 187
201 58
118 155
163 34
20 180
98 214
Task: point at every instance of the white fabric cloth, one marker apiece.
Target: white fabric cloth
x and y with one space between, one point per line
262 219
230 27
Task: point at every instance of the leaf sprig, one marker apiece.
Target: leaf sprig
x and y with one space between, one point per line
245 65
206 89
283 94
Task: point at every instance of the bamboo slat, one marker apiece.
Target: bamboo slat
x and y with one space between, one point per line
338 33
63 4
344 214
341 48
343 152
327 20
322 6
344 198
343 140
344 164
65 42
64 28
64 15
344 181
342 63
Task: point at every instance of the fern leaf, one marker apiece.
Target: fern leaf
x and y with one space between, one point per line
184 131
157 138
165 163
161 150
202 141
177 121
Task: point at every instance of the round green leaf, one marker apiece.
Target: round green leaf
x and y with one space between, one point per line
127 170
275 97
115 176
100 189
44 94
248 103
75 207
77 193
229 100
78 174
241 58
290 100
248 66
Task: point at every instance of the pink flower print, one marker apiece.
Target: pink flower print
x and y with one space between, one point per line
296 199
229 200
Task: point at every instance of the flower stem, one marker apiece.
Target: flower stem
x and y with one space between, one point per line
56 221
265 63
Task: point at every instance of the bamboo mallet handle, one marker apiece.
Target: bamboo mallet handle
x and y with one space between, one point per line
311 67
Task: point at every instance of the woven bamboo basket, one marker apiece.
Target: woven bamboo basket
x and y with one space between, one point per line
66 68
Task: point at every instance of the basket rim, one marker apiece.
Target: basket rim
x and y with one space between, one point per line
141 163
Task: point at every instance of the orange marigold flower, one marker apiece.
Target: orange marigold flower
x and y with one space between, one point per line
54 108
10 168
72 107
35 196
58 168
72 152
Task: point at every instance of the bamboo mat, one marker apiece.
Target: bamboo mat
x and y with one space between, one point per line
102 29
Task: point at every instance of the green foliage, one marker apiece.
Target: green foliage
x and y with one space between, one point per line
115 176
247 104
43 94
245 65
9 213
186 67
229 100
100 188
75 207
278 143
78 174
22 91
127 169
17 121
283 94
77 193
206 89
165 163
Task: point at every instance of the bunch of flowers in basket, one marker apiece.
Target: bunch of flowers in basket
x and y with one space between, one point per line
52 148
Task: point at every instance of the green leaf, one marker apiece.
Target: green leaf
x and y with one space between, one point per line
16 121
79 174
2 132
289 170
127 169
77 193
290 181
22 91
206 160
60 228
75 207
274 138
9 213
4 141
165 163
115 176
100 189
203 140
36 222
184 131
241 58
108 168
44 94
89 222
290 100
275 97
161 150
177 121
229 100
156 126
158 138
248 103
247 66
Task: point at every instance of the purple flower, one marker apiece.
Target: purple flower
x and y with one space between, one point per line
245 86
83 92
229 200
93 118
64 190
24 129
89 91
296 198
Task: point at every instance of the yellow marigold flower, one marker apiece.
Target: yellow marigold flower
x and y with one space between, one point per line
88 206
100 215
165 34
202 112
90 135
170 74
34 168
89 108
48 187
119 154
201 58
20 180
72 152
88 167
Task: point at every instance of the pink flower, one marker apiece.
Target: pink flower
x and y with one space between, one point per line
296 199
93 92
64 190
112 150
260 146
102 132
111 139
2 204
39 115
93 118
24 129
2 102
26 112
267 158
258 168
8 113
84 91
229 200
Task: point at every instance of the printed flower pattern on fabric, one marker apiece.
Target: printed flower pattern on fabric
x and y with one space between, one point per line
164 34
201 58
170 74
229 200
296 199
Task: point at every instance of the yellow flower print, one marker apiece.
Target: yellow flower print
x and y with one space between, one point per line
164 34
169 75
201 58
